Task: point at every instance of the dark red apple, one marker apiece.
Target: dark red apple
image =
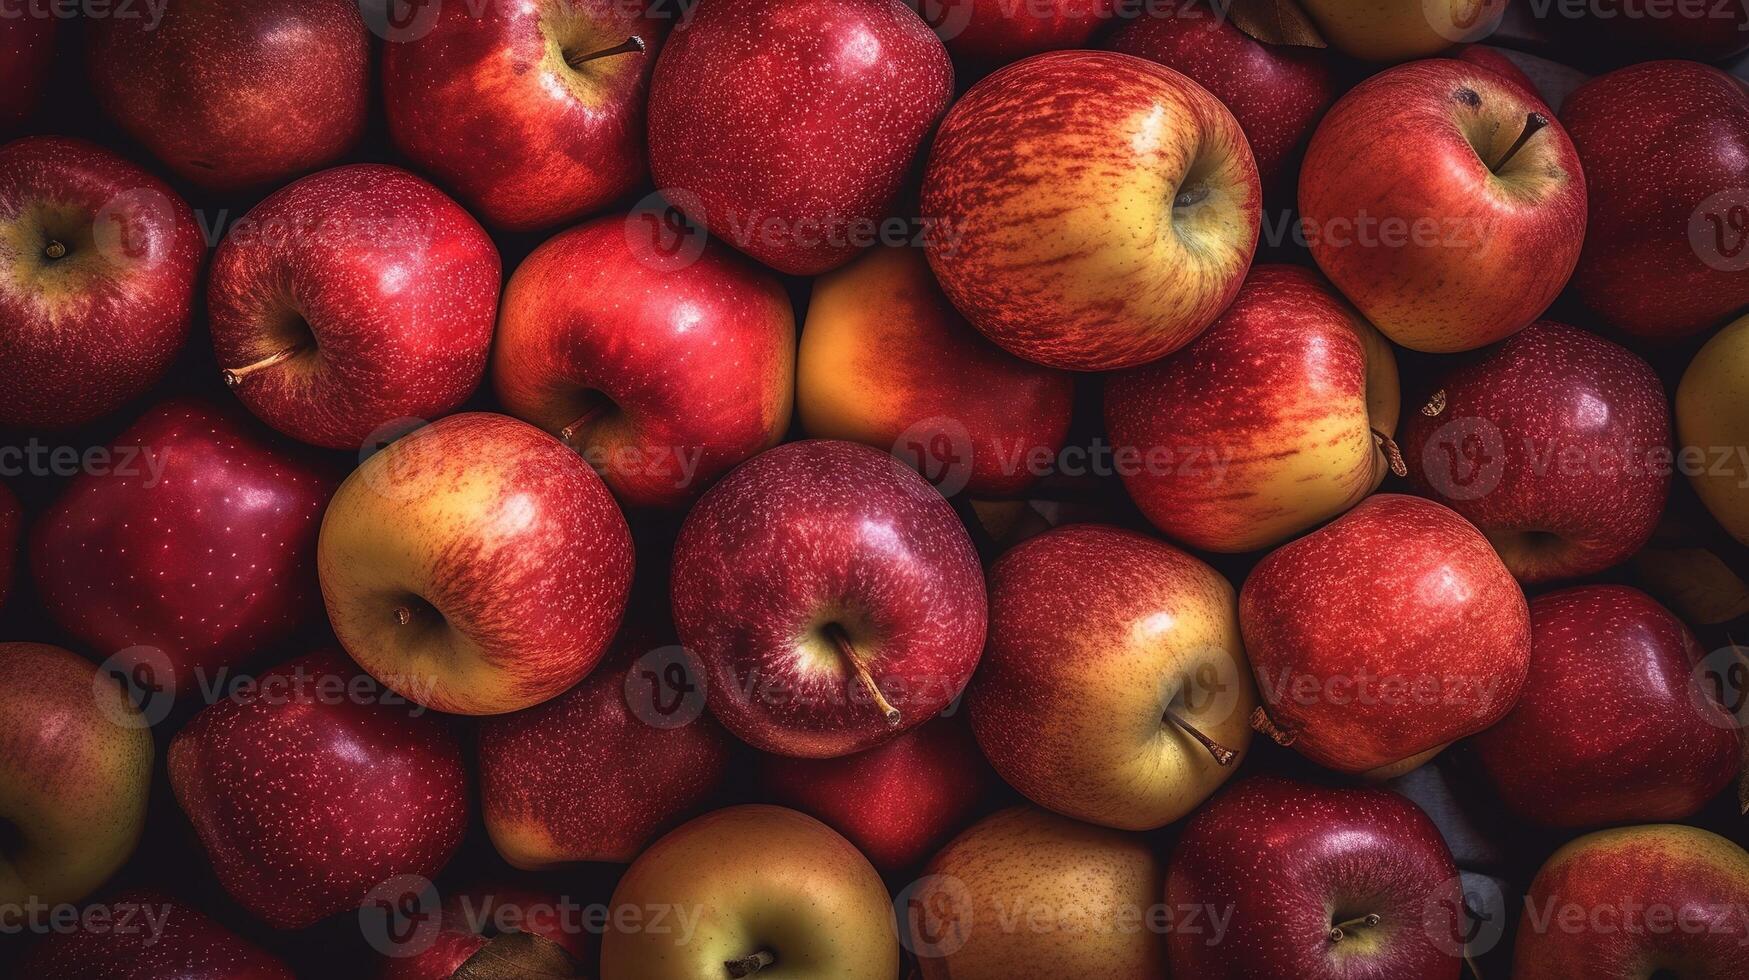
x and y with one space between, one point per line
1277 92
483 929
236 93
196 540
595 773
148 935
1665 145
533 113
991 33
98 262
1317 884
1556 444
788 127
27 51
1611 726
833 596
315 786
897 802
355 298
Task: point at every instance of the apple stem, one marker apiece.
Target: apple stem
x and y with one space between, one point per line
55 249
746 966
1339 931
1393 454
629 45
235 376
848 650
1260 723
1223 755
1532 123
1434 405
570 432
403 615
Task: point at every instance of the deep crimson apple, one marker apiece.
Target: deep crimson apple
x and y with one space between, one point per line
789 126
98 262
197 541
1556 444
356 297
236 93
11 520
1318 884
664 375
898 801
27 51
490 926
1666 152
1611 726
834 598
989 33
1276 91
317 784
1383 636
1442 200
595 773
533 113
142 934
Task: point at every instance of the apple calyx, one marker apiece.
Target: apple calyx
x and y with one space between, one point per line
55 249
749 965
1435 404
847 650
517 954
628 46
1393 453
1261 723
1223 755
1342 930
1533 123
234 376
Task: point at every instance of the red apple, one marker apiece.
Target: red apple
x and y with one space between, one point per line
354 298
1090 210
898 801
476 566
1444 202
236 93
1383 636
1495 60
533 113
789 126
27 52
834 598
100 261
1666 152
1556 444
11 519
595 773
1276 419
193 548
1611 726
503 929
1277 92
1316 884
989 33
142 934
316 785
664 375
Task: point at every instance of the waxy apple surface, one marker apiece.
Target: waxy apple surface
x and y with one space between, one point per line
476 566
1712 420
1383 636
1272 421
98 262
1090 210
533 113
834 598
988 33
788 127
233 94
194 550
352 299
151 936
1401 30
663 374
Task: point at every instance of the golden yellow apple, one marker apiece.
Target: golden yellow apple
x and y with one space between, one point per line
1712 423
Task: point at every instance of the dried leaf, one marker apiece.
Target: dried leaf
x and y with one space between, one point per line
519 956
1275 22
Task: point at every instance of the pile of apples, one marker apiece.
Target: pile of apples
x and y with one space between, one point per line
840 489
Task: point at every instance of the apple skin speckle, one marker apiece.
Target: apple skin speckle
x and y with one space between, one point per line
190 946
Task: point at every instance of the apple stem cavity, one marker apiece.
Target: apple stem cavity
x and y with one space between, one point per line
628 46
1532 123
1223 755
570 432
848 651
403 616
1393 453
747 966
55 249
1261 723
235 376
1340 930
